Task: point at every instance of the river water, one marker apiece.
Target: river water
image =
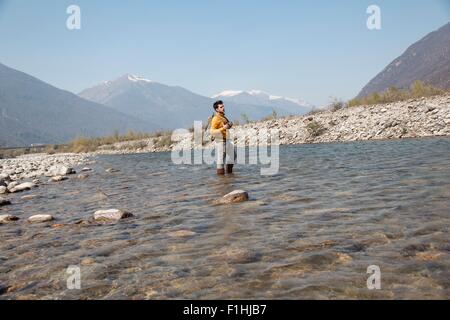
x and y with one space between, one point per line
308 232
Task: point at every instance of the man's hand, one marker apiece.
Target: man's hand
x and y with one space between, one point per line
227 126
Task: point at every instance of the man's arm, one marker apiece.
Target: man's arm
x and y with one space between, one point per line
217 127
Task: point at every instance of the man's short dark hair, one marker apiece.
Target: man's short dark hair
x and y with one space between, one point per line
217 104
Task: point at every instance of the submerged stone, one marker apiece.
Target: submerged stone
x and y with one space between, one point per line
5 218
111 215
40 218
57 178
233 197
22 187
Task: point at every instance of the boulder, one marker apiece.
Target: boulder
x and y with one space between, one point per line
6 218
59 170
40 218
22 187
233 197
11 185
3 190
111 215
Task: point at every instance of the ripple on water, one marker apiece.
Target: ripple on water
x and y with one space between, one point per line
309 232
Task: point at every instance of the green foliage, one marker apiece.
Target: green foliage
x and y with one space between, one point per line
336 104
164 141
85 144
315 128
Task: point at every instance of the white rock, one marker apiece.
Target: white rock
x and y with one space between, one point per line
5 218
57 178
11 185
59 170
40 218
233 197
3 190
111 214
22 187
4 176
86 169
181 233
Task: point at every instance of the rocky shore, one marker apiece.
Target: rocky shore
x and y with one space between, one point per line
423 117
28 171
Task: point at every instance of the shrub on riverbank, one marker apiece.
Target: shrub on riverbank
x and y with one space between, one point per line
84 144
163 141
417 90
315 128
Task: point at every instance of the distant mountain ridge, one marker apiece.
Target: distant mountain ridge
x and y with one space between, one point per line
170 106
34 112
427 60
259 97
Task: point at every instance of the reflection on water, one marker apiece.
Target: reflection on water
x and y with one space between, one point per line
309 232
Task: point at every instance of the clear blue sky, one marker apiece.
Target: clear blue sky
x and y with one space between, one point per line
306 49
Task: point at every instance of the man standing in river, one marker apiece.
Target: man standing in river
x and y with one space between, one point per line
219 126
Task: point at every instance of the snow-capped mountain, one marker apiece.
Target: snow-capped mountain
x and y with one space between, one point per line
261 98
167 107
33 112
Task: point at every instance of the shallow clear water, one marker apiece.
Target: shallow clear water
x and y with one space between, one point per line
310 231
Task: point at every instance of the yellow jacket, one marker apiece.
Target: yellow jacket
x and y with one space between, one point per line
217 130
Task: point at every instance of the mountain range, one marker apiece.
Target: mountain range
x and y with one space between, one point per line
261 98
427 60
167 107
34 112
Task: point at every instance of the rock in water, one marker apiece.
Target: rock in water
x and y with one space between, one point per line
4 202
59 170
22 187
57 178
11 185
87 261
3 190
86 169
111 215
5 218
233 197
181 233
40 218
82 176
111 170
28 197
